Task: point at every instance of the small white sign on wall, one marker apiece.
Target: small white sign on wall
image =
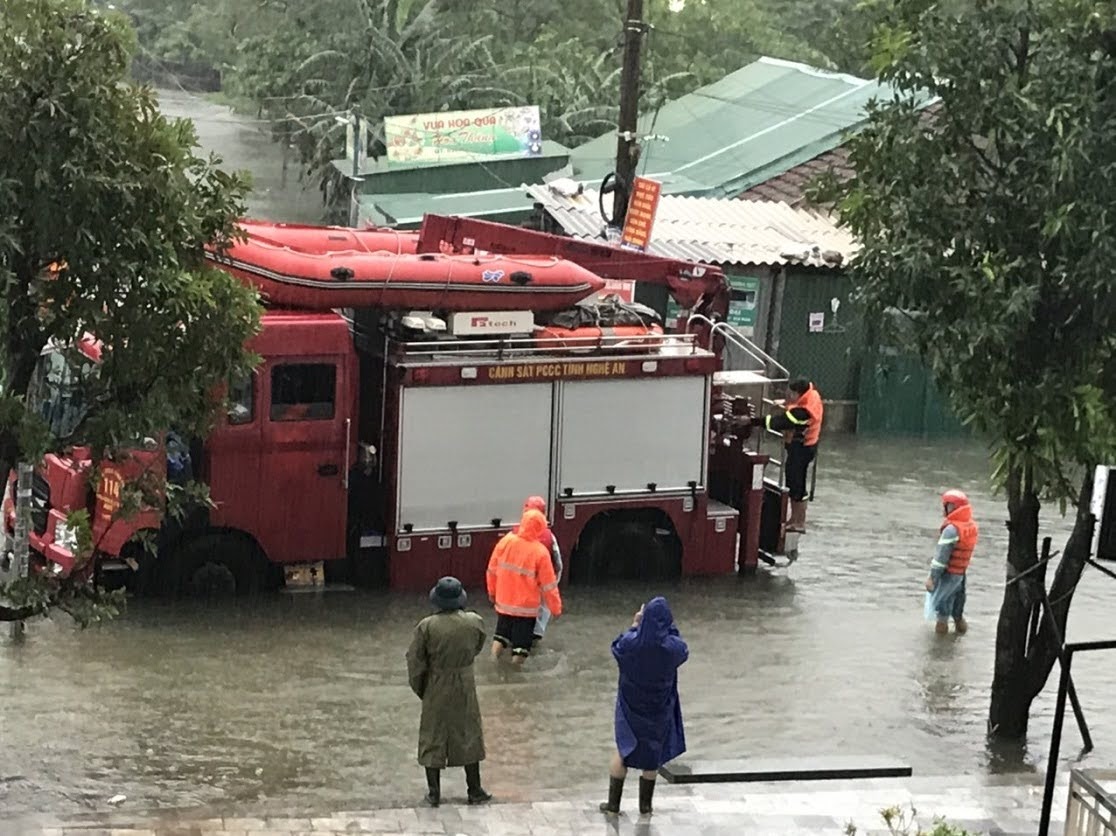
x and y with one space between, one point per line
817 322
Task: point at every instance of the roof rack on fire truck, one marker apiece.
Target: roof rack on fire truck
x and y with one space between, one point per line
643 347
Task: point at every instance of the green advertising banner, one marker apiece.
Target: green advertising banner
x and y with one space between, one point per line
463 136
742 308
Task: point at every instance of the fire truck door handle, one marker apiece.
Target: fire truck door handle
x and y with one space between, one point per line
345 463
328 469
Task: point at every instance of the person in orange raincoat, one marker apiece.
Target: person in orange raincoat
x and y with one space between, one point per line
550 542
520 577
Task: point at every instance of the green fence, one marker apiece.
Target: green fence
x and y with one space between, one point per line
820 334
898 397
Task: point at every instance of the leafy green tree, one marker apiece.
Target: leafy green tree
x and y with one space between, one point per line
303 64
104 214
991 227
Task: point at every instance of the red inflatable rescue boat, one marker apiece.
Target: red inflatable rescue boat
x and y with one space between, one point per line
327 239
294 278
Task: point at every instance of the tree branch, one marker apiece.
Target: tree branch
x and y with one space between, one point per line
1045 649
1022 54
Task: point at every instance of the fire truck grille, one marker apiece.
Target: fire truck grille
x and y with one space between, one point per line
40 503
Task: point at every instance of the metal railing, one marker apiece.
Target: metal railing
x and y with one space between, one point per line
1065 656
1091 810
774 371
664 345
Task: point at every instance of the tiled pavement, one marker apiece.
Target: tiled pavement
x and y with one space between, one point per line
998 807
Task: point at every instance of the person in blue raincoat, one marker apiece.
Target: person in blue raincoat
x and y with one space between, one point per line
649 729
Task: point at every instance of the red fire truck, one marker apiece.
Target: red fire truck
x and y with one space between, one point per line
368 445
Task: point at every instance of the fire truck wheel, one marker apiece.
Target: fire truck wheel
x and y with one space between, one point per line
628 550
215 566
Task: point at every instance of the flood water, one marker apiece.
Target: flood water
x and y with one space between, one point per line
300 702
243 143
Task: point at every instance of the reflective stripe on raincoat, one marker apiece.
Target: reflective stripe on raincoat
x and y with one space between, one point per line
520 573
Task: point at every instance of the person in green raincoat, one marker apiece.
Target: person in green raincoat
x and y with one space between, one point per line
440 672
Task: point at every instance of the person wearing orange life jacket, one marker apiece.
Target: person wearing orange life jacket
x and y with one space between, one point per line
956 542
520 577
551 543
801 425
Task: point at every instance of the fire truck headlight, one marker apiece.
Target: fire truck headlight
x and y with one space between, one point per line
66 537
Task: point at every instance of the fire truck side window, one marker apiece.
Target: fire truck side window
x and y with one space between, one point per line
242 400
303 392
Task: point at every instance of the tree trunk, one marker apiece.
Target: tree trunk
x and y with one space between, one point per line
1024 662
1007 716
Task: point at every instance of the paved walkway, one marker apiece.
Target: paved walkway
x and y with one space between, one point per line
998 807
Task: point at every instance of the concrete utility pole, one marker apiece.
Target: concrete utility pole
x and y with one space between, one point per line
354 193
627 146
20 540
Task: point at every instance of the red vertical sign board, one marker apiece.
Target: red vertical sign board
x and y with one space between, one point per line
622 288
642 206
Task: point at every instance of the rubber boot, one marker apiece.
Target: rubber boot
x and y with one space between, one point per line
941 628
433 786
646 791
797 521
615 790
477 794
960 625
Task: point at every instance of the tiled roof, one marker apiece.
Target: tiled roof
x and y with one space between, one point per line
716 230
790 186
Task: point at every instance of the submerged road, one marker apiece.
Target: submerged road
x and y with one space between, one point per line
300 701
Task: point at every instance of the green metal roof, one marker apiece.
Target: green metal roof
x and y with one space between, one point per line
380 166
722 139
405 211
750 126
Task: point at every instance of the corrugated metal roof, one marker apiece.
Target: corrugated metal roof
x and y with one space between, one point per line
406 210
716 230
750 126
381 165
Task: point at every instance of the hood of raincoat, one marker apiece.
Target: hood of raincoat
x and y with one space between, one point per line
536 502
962 514
657 622
532 526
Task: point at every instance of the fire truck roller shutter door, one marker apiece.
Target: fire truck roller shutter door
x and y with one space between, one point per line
472 453
632 432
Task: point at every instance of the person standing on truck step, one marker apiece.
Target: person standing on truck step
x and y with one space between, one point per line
956 542
440 672
550 542
801 425
520 577
648 723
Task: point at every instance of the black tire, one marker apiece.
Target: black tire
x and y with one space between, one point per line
144 580
629 550
215 566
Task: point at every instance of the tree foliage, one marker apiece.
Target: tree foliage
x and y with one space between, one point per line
104 214
302 64
990 224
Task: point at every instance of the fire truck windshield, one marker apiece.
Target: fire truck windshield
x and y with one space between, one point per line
57 391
